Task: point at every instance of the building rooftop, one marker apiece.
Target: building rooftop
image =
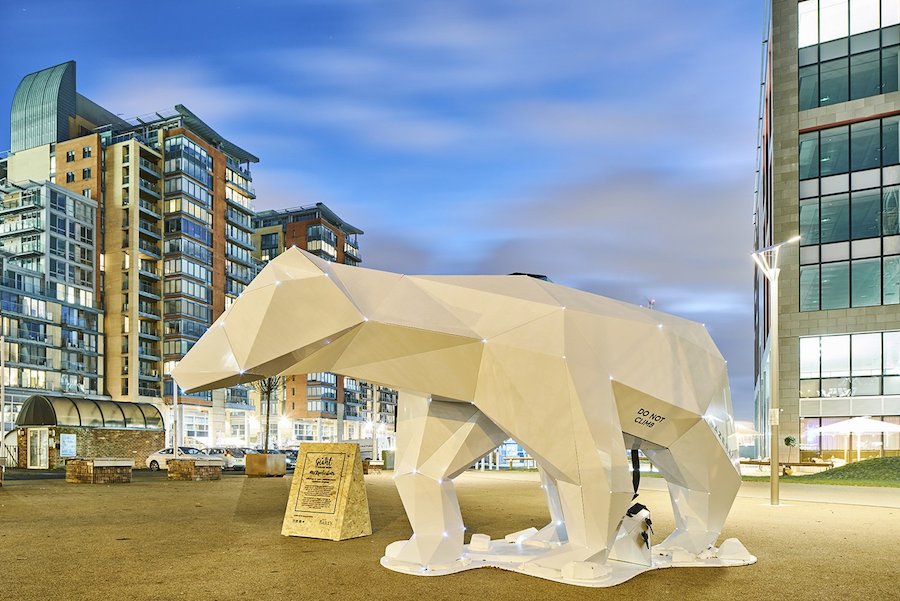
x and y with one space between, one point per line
318 210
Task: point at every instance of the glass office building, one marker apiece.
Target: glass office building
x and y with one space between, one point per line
829 170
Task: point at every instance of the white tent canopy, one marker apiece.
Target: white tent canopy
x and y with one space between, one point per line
858 425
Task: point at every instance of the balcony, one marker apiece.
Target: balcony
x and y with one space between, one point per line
149 188
241 220
352 251
148 271
151 168
149 352
242 241
149 333
76 366
18 309
150 208
149 228
20 335
21 226
27 201
148 290
245 188
149 374
35 247
24 359
149 248
146 391
148 310
80 345
242 168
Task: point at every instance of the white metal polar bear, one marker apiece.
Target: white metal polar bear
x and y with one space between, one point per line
575 378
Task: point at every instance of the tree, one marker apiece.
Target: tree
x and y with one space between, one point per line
266 388
790 442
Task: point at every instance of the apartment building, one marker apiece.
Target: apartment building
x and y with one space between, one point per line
172 202
323 406
51 320
829 171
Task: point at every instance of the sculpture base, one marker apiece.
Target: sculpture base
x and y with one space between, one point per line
515 557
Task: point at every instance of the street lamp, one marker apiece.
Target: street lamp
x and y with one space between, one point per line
767 261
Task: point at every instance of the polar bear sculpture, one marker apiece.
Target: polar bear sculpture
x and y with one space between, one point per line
575 378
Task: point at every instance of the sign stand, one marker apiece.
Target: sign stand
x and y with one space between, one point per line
328 495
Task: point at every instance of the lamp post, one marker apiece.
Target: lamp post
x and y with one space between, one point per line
2 401
767 261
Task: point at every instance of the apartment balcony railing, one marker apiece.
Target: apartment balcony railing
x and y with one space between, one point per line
149 290
148 270
239 219
149 228
247 188
150 208
351 250
19 309
151 168
145 391
80 345
149 374
149 352
239 167
28 201
149 248
21 225
76 366
149 187
33 361
148 309
25 248
151 333
21 335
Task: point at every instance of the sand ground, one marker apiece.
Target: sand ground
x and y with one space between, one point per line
159 540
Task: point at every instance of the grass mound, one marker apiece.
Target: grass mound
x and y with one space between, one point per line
880 469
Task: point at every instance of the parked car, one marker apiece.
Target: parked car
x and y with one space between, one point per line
291 460
288 460
233 458
157 460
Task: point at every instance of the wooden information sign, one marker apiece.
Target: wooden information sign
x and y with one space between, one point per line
328 495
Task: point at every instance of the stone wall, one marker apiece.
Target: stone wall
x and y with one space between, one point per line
83 471
187 469
98 442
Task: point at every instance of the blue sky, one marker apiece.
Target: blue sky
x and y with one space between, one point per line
609 145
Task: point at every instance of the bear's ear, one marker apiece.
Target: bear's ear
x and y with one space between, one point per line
292 264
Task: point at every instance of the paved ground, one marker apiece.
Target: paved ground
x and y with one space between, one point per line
160 540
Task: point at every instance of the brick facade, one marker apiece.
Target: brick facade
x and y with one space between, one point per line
98 442
83 471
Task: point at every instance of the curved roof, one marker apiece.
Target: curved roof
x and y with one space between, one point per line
41 107
41 410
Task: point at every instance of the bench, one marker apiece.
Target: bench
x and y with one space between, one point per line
510 460
787 465
195 469
99 470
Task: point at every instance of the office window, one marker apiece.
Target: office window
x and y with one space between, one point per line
866 279
809 288
834 151
891 280
86 173
833 83
835 286
86 192
70 156
865 211
835 218
865 145
865 75
809 87
86 152
70 177
809 155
